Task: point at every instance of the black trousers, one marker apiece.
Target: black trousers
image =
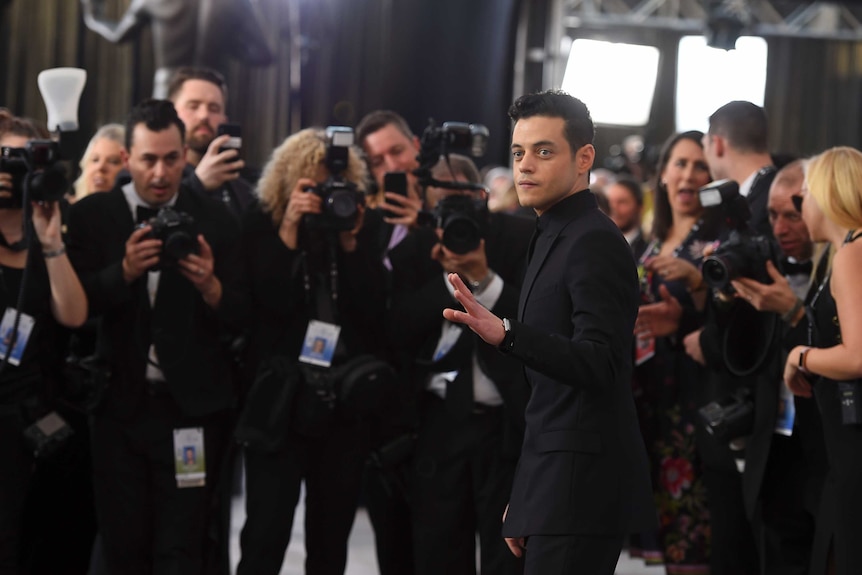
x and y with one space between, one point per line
148 524
332 469
389 513
733 550
784 527
460 487
16 470
570 554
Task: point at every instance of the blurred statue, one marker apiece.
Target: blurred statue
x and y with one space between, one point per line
187 33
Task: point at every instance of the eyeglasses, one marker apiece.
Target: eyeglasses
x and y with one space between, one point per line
797 202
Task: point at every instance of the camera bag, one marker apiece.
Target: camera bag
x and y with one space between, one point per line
265 417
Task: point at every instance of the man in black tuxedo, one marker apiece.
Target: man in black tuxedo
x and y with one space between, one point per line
582 482
161 313
470 398
626 202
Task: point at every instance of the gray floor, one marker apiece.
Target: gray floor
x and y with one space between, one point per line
361 559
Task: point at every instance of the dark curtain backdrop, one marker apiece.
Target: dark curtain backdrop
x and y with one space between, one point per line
448 59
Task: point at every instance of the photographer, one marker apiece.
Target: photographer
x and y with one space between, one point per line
471 399
33 264
314 276
164 289
200 97
785 455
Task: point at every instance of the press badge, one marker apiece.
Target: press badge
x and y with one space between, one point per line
786 412
644 349
18 340
189 457
318 347
450 335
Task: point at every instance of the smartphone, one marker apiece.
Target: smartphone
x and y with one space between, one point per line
395 182
235 133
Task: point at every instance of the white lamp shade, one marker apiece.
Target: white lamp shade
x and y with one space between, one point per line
61 90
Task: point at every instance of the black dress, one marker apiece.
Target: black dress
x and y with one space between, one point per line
839 521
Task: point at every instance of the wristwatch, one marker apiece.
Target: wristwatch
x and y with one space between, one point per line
802 356
509 337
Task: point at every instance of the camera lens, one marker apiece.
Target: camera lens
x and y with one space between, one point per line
716 272
461 234
178 245
341 204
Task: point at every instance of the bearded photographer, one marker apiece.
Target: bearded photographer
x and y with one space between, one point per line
471 399
164 288
318 303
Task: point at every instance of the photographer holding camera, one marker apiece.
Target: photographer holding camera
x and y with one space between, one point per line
40 293
470 398
164 289
318 306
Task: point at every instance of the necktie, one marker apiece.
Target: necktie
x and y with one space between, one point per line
145 214
792 268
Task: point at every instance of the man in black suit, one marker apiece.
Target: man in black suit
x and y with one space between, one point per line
582 482
736 147
470 398
626 202
161 315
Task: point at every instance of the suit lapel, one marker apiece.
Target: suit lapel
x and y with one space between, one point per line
540 253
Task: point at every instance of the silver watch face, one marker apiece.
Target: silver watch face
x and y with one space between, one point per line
507 326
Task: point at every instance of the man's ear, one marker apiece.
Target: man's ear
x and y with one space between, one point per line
719 145
585 158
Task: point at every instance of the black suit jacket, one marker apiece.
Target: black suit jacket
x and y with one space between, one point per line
758 198
184 329
583 466
421 296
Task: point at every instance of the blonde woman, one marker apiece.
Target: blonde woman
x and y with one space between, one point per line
310 261
103 159
831 367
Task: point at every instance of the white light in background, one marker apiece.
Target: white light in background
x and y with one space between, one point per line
616 81
708 78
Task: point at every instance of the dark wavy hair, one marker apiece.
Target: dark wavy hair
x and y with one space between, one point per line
662 215
156 115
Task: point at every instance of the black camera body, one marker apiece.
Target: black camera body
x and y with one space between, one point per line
743 254
341 198
178 233
731 417
462 217
37 167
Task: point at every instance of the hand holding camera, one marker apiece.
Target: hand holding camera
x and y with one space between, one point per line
776 297
472 265
198 268
47 223
302 201
142 253
220 164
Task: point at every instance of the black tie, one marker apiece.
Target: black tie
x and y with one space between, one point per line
793 268
145 214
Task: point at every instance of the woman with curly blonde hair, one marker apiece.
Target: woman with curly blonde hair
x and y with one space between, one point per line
831 367
310 261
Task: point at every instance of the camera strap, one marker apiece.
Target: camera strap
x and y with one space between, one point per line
320 308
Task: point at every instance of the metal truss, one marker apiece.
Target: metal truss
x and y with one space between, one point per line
826 20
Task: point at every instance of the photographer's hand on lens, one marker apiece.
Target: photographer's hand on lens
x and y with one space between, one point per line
301 202
216 168
198 269
659 319
776 297
142 253
348 239
484 323
47 223
473 265
692 347
407 208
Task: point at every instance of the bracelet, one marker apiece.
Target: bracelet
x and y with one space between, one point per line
791 313
803 354
54 253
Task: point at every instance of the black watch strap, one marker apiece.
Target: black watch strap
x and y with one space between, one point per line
509 338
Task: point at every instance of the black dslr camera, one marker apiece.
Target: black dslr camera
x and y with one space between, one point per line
341 198
743 254
35 167
462 217
178 234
